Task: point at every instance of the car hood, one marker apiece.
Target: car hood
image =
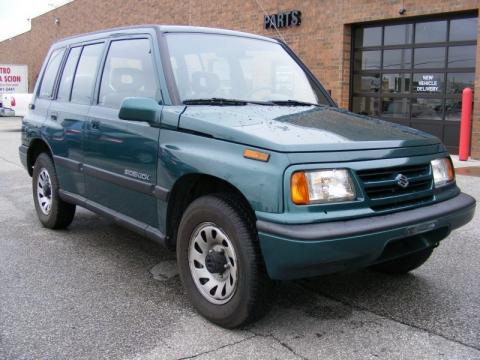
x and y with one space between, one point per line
299 128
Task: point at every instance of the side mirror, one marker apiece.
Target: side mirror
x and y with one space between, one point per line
139 109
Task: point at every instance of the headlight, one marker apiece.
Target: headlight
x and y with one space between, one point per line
322 186
443 172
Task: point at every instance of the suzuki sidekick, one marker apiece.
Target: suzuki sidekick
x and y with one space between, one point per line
224 146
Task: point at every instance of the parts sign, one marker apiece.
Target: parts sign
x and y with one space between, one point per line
13 79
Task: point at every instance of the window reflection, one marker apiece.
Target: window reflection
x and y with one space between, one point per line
461 56
463 29
371 36
398 34
397 59
395 107
429 58
453 109
396 83
424 108
432 31
366 105
456 82
367 60
366 83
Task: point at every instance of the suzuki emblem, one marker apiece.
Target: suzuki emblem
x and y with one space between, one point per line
402 180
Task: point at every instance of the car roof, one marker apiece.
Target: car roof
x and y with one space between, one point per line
137 29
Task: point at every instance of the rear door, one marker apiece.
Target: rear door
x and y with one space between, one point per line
46 90
120 155
68 113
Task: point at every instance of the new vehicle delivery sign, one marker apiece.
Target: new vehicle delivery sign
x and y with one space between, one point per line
13 79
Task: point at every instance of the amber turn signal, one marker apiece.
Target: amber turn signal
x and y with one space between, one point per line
299 188
256 155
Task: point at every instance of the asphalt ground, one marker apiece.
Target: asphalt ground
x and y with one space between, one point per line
97 291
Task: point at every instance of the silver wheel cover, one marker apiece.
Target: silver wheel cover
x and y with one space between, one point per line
44 191
217 288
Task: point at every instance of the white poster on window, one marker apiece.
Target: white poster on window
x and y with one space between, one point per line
427 83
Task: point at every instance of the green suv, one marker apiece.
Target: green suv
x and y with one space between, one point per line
224 146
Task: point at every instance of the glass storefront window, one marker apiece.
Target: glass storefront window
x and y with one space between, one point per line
431 31
396 83
368 60
461 56
424 83
366 83
463 29
398 34
365 105
456 82
428 58
395 107
370 36
397 59
453 109
425 108
423 67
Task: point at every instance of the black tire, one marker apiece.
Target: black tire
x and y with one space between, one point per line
404 264
252 287
61 213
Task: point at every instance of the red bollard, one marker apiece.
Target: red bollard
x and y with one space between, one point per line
465 124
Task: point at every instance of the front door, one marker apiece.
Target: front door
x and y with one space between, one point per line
121 156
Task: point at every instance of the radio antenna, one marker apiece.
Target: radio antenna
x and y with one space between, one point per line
273 23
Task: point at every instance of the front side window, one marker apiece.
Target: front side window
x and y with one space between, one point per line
128 71
233 67
50 74
86 72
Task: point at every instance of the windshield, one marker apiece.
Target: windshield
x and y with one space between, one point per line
209 66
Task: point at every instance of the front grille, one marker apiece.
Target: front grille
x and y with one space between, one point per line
384 193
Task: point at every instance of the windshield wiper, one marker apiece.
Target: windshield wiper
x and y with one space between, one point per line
214 101
224 102
236 102
292 103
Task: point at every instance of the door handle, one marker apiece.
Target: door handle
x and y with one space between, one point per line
54 116
95 125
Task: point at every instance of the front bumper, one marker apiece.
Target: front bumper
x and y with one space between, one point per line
297 251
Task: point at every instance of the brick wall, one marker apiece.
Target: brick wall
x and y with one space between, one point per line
322 41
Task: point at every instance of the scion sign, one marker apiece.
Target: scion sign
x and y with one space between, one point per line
282 19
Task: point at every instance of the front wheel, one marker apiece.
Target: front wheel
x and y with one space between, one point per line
404 264
219 261
52 212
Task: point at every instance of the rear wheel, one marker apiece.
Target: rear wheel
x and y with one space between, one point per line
219 261
404 264
52 212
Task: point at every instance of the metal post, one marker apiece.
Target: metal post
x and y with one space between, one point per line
465 124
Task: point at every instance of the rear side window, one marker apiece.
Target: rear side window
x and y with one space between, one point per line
128 71
48 81
85 75
68 73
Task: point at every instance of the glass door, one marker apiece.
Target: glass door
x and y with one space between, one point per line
413 73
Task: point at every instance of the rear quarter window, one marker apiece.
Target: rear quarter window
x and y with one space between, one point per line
50 74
